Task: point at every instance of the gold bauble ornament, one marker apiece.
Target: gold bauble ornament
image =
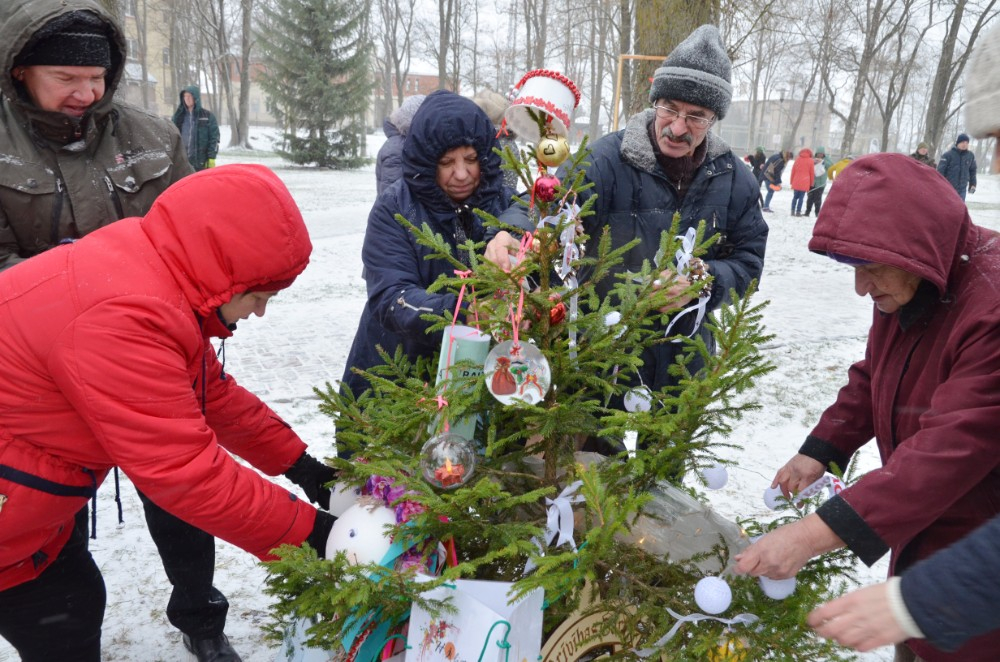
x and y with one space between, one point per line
552 150
730 650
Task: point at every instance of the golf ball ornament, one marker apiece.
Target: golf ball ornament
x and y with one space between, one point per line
638 399
517 372
713 595
716 476
777 589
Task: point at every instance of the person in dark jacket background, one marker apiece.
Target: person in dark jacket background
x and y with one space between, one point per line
494 104
388 161
666 161
449 169
925 391
958 165
199 129
771 174
923 155
757 160
952 596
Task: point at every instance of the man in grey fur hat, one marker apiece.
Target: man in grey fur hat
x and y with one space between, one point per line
665 161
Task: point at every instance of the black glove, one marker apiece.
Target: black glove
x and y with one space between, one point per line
321 531
313 477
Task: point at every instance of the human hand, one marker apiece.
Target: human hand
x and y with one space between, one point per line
210 163
673 285
798 473
862 619
500 248
314 478
781 553
972 189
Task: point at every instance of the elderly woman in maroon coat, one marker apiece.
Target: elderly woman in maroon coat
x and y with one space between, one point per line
927 390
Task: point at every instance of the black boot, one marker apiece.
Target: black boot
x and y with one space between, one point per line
213 649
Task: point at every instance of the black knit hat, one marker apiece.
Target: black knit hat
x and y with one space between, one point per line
698 71
73 39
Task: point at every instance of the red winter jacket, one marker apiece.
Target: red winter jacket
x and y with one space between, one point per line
803 171
928 389
106 362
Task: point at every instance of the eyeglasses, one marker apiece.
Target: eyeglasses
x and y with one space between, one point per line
693 121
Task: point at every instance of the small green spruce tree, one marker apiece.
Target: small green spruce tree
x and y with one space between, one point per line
527 454
316 77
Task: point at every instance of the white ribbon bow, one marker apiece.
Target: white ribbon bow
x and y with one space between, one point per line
559 526
683 257
739 619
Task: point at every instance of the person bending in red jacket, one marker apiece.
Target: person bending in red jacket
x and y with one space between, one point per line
107 362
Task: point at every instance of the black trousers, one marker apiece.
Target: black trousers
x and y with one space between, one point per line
814 199
58 615
196 608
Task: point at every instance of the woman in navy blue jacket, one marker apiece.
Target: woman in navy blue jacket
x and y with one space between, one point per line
449 169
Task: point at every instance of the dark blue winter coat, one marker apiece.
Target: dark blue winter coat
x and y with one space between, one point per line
635 200
953 595
773 167
397 271
388 162
959 167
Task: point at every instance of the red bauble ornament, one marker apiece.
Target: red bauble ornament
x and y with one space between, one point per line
545 187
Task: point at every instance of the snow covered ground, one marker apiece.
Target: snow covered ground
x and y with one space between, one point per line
818 322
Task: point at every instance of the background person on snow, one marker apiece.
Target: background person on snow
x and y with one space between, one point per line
199 129
388 161
925 391
803 179
771 174
212 251
958 165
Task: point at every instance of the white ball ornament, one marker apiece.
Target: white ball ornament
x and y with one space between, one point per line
773 498
342 497
777 589
638 399
713 595
715 476
361 533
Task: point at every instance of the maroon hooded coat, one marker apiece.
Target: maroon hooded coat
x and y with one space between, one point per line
928 389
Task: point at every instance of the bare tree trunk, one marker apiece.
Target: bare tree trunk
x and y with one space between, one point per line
446 9
241 136
654 36
950 68
625 47
140 43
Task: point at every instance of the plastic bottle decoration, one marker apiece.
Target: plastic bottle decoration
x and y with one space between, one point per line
547 94
361 532
447 461
713 595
